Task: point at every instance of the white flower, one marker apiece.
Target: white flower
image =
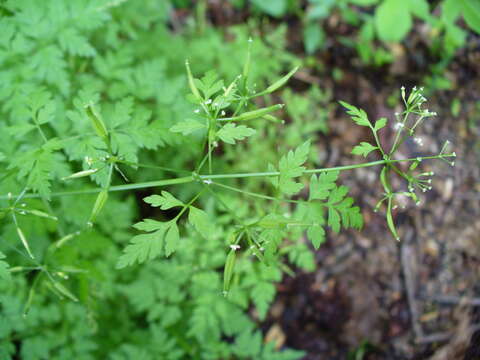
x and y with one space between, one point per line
208 181
196 111
418 140
209 101
398 126
223 113
234 247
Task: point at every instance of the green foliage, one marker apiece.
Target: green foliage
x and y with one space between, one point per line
95 117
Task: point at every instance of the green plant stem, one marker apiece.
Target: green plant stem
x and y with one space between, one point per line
187 179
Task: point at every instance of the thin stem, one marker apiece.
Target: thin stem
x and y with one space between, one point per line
187 179
260 196
131 163
396 144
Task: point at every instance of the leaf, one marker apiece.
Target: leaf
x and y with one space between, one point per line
171 239
144 247
230 132
71 41
290 166
333 219
363 149
262 296
392 20
471 14
380 124
187 127
316 234
40 166
199 219
274 8
313 37
4 272
358 115
209 85
165 201
320 186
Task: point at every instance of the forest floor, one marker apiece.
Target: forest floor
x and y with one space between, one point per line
414 299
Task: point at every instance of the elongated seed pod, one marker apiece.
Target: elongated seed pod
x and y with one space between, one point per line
390 222
97 207
80 174
42 214
64 291
65 239
228 271
384 180
31 294
97 122
191 83
249 115
246 67
279 83
24 242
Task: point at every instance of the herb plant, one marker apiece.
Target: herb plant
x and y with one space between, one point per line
91 133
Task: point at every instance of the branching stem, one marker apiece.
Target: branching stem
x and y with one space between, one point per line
188 179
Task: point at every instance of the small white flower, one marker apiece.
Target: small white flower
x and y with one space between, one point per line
196 111
234 247
418 140
88 160
223 113
208 181
398 126
209 101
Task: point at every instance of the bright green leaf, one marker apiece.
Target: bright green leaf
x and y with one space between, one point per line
363 149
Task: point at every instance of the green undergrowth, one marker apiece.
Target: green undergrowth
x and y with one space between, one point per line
150 206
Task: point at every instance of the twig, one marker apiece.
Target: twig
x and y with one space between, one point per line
453 300
443 336
408 257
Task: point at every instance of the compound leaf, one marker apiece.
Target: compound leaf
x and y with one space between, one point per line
230 132
165 201
363 149
290 166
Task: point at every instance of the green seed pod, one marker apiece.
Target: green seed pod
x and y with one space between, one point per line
246 67
191 83
24 242
80 174
272 118
249 115
228 271
42 214
64 291
65 239
31 294
97 123
279 83
390 223
99 203
384 180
